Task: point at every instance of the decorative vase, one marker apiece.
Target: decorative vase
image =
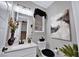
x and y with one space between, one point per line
42 39
21 42
29 40
11 40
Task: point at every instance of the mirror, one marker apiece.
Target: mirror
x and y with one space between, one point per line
23 32
39 23
39 16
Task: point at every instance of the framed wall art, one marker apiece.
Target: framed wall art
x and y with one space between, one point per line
60 27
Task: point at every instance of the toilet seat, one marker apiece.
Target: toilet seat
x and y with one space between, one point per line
48 53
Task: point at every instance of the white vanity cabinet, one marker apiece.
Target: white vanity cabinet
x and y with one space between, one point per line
27 52
23 50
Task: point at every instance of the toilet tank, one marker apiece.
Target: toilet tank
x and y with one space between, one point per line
42 45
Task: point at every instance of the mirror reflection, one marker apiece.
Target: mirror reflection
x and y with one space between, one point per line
23 31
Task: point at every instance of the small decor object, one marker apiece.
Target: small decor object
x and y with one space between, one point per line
21 42
42 39
29 40
31 25
71 51
12 25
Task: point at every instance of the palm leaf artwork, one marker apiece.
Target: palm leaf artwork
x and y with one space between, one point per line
70 51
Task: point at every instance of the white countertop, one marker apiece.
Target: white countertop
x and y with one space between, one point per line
21 46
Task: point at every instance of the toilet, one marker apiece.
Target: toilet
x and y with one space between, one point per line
44 52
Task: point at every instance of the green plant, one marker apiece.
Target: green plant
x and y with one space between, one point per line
71 51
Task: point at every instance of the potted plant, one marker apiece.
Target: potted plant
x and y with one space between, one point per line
12 25
70 51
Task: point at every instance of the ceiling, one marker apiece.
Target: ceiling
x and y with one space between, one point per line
44 4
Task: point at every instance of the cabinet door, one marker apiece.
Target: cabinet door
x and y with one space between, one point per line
27 52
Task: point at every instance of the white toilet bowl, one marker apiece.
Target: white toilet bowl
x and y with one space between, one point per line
47 53
43 51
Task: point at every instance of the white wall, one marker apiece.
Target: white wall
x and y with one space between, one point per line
53 10
36 35
3 26
75 6
4 23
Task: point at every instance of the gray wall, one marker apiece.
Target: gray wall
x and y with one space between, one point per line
53 10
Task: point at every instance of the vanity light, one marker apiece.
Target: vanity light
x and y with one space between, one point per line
16 8
22 10
26 11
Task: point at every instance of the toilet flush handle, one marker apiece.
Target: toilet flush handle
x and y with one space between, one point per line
3 49
56 50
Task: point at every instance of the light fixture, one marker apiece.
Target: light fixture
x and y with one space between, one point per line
26 11
20 9
16 8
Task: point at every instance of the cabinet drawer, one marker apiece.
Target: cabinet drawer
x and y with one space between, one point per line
22 52
30 55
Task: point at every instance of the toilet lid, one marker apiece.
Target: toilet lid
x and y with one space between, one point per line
48 53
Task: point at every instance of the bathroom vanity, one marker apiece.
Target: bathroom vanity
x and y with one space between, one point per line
23 50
